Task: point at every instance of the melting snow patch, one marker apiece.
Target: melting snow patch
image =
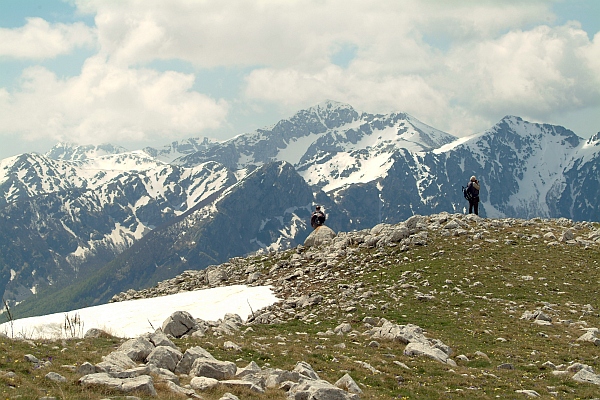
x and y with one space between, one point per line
132 318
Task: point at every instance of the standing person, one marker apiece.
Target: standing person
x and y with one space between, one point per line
473 189
317 218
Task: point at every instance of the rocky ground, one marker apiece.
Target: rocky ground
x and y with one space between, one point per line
446 305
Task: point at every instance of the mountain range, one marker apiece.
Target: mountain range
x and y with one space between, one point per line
82 223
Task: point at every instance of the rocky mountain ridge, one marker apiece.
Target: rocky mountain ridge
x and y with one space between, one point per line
434 306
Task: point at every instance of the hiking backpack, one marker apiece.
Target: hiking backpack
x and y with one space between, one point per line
467 193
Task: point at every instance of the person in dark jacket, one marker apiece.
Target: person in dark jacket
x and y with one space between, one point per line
473 189
317 218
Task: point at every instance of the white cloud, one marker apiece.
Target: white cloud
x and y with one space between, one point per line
276 33
39 39
534 73
531 73
459 66
108 103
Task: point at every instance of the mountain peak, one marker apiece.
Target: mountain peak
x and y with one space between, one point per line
594 140
74 152
331 105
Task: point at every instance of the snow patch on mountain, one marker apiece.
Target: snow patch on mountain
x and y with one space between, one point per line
132 318
454 144
177 149
296 148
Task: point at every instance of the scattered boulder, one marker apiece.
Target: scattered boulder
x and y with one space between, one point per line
158 338
251 368
592 335
179 324
55 377
586 376
96 333
175 388
116 361
86 368
216 276
165 357
239 383
528 392
319 236
277 376
211 368
423 349
229 396
137 349
305 370
203 383
141 383
319 389
187 360
347 383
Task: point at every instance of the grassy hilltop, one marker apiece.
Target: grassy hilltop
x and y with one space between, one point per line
468 287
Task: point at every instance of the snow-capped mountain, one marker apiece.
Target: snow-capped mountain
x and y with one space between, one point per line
178 149
111 219
63 219
327 127
74 152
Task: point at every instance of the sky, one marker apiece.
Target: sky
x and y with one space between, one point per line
148 72
129 319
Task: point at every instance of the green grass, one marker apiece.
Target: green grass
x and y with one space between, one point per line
479 291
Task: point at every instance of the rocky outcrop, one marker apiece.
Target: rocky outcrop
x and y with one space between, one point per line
322 234
119 372
335 285
592 335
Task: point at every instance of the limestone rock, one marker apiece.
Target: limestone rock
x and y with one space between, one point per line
586 376
239 383
216 276
306 370
343 328
203 383
422 349
231 346
528 392
347 383
229 396
164 357
174 388
403 333
592 335
251 368
95 333
319 389
55 377
187 360
221 370
137 349
101 379
277 376
86 368
179 324
158 338
142 383
116 361
319 236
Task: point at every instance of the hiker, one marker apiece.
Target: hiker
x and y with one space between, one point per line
317 218
473 190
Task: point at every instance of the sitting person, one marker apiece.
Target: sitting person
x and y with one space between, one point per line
317 218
